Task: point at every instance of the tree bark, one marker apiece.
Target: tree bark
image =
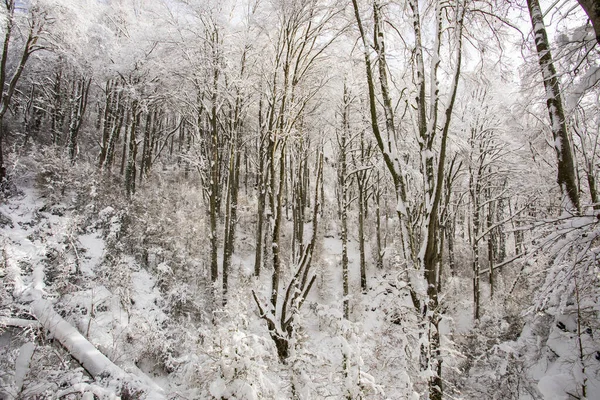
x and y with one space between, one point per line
7 91
562 144
343 182
108 119
378 227
361 238
78 106
131 169
115 132
260 212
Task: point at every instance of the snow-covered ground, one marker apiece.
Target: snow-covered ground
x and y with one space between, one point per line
33 233
148 324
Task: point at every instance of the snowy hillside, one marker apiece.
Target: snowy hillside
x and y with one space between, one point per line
299 199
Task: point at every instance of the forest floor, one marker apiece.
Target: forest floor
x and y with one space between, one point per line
130 279
55 250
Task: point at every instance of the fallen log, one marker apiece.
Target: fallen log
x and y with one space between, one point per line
19 322
90 358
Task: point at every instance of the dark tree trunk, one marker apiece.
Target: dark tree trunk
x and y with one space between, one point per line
562 143
361 237
78 106
115 132
8 87
131 169
378 227
55 118
108 119
146 145
343 180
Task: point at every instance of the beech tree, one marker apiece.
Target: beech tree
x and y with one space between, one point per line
235 127
282 310
344 179
432 132
33 26
486 154
562 142
299 45
180 103
79 101
363 172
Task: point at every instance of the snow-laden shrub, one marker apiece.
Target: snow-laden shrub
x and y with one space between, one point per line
231 361
154 345
560 337
336 361
59 179
115 274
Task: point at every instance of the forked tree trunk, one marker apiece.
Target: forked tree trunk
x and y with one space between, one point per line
426 258
282 312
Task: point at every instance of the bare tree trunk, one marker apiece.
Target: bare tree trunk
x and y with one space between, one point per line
562 143
591 181
344 186
361 238
450 232
236 124
108 119
475 212
215 178
501 234
491 241
127 133
27 118
231 213
378 227
276 209
7 91
298 197
131 169
146 144
115 132
78 105
55 119
260 213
